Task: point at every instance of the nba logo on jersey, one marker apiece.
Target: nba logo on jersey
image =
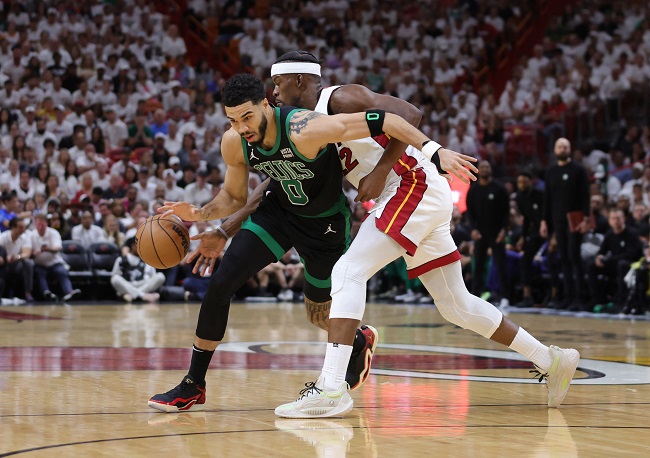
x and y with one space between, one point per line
286 153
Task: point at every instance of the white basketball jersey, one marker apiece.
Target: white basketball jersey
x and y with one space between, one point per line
359 157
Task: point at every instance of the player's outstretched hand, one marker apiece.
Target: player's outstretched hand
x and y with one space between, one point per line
211 246
458 164
184 210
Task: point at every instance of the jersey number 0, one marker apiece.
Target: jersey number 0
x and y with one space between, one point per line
294 191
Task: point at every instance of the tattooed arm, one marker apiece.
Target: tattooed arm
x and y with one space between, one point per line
311 132
319 313
232 196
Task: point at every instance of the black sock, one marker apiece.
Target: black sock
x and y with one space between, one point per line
199 366
359 342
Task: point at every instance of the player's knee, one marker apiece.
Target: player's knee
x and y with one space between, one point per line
345 272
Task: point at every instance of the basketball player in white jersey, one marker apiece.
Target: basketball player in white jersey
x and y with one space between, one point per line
411 219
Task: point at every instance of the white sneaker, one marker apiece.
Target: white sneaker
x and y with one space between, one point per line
71 294
285 295
315 402
407 296
559 376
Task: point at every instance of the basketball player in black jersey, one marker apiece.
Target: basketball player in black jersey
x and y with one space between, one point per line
303 207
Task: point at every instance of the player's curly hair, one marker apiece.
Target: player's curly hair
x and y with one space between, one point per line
242 88
298 56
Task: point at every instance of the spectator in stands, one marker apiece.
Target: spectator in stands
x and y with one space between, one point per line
173 141
25 188
11 210
133 279
87 233
618 251
173 193
176 98
173 45
197 127
144 186
115 189
200 191
59 127
112 233
566 214
140 134
20 268
114 129
11 178
46 251
159 124
488 209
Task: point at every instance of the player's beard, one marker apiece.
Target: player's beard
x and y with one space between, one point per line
262 131
563 157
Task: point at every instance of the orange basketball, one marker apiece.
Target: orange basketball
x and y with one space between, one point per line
162 242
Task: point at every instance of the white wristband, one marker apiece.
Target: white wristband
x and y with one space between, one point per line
430 149
222 231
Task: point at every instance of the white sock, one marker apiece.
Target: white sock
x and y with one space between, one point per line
335 366
528 346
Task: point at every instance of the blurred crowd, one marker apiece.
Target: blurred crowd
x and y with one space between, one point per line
103 118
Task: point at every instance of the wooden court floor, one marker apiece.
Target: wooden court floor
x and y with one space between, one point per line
75 380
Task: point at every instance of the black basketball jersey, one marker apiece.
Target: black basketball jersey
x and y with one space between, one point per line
306 187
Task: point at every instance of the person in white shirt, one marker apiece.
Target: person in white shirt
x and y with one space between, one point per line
87 233
133 279
83 94
173 193
495 20
115 130
59 127
100 175
106 96
32 92
59 94
46 251
50 24
463 143
173 140
77 117
87 162
20 268
173 45
9 98
196 127
146 189
5 160
199 192
176 97
614 85
26 188
96 82
14 68
11 179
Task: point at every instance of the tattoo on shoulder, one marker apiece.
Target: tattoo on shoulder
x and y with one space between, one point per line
300 121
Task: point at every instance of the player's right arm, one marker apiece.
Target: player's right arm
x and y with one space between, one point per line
232 196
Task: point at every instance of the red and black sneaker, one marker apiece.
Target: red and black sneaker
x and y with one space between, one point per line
187 396
359 365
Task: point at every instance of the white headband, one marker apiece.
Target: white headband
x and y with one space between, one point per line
284 68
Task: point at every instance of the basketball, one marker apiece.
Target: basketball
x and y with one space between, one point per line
162 242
